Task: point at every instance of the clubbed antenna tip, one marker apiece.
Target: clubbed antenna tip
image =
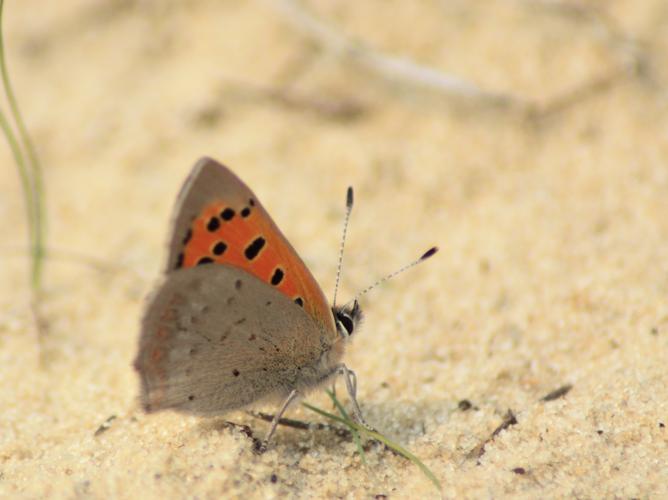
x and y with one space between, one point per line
424 256
429 253
349 198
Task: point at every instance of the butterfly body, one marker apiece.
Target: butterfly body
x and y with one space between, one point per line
249 345
238 319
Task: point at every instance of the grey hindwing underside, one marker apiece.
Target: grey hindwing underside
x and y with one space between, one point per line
215 338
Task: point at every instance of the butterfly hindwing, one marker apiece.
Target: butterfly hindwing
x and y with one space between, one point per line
219 220
216 338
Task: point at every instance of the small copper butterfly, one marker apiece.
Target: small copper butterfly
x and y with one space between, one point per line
238 318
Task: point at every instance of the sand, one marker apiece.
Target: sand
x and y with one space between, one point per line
553 268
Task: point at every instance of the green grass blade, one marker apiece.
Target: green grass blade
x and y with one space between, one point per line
31 180
325 414
356 427
406 454
353 431
24 175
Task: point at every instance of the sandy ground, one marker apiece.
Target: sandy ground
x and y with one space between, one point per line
554 238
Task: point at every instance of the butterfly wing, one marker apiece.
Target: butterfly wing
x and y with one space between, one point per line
216 338
218 219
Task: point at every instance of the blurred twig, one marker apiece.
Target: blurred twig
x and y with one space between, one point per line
340 109
540 112
396 70
629 49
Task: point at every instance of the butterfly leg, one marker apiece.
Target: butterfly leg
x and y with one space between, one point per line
274 423
351 385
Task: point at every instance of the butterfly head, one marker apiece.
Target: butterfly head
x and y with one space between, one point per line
347 318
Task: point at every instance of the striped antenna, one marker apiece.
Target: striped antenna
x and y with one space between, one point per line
421 259
349 208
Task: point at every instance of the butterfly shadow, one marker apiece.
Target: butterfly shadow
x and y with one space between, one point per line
405 422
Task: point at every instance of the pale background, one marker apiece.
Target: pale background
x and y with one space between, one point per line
553 229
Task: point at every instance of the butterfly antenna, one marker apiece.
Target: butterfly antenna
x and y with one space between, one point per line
349 208
422 258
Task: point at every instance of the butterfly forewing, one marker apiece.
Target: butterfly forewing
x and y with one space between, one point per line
216 338
219 220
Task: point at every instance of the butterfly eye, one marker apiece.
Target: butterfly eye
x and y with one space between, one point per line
347 323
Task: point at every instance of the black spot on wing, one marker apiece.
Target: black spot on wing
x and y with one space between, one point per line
255 247
204 260
219 248
213 224
277 277
188 236
227 214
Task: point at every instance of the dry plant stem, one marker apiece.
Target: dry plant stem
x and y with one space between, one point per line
105 426
246 430
508 420
538 113
394 69
333 108
318 426
303 426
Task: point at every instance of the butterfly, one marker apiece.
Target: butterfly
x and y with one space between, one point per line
237 319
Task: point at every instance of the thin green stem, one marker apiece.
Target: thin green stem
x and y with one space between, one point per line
353 431
356 427
326 414
32 180
24 175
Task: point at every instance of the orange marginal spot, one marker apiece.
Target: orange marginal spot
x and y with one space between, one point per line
157 354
